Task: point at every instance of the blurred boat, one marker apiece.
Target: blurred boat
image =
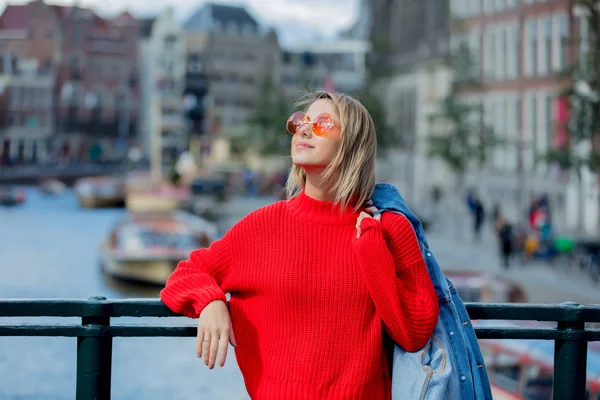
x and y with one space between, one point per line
477 286
146 247
522 369
144 195
52 187
97 192
11 196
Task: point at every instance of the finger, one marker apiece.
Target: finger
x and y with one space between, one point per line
361 216
223 347
232 338
214 348
199 344
206 348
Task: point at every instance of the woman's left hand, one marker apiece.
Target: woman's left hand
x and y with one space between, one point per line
371 212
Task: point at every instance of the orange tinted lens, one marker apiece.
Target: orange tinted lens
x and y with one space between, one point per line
323 124
294 122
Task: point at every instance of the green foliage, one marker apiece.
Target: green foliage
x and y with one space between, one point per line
266 125
370 95
373 103
463 138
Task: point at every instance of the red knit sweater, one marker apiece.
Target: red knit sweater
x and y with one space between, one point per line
307 318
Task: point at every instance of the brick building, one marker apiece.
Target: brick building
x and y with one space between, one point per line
94 60
32 31
522 48
97 82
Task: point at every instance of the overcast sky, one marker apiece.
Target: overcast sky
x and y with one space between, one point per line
295 20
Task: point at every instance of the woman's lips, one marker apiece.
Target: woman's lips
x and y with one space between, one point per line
303 145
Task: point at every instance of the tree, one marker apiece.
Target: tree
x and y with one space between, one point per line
266 125
458 136
370 94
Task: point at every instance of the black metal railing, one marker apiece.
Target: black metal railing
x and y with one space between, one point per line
95 333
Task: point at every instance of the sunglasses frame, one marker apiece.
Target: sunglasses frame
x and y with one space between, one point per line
314 124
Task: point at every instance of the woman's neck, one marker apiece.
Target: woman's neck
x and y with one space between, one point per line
316 189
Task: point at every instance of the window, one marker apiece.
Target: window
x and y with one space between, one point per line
548 102
488 52
516 50
475 47
499 54
547 44
563 40
531 51
507 51
533 145
512 116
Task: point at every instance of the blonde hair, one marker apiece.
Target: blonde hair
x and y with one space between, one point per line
351 173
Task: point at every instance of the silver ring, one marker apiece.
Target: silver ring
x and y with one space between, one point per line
206 341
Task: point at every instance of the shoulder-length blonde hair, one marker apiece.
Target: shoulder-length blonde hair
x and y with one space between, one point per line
351 173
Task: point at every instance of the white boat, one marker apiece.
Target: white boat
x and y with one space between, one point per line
146 247
97 192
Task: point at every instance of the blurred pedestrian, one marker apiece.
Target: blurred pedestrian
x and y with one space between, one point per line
478 217
505 236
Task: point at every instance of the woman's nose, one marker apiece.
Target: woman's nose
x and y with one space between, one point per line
306 130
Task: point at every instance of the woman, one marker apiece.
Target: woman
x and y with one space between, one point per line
301 317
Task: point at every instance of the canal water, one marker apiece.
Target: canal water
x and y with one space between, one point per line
48 249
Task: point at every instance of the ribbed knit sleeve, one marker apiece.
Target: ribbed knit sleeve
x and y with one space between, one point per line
197 281
397 278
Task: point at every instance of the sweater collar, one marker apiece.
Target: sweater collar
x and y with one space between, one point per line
323 212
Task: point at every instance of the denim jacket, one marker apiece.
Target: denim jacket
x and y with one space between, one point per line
450 366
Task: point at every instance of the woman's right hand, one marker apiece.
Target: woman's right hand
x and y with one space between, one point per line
214 333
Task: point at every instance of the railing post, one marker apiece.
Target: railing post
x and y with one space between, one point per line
94 361
570 364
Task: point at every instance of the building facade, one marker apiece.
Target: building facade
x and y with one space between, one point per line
411 42
335 65
26 110
237 55
162 84
32 31
522 49
97 84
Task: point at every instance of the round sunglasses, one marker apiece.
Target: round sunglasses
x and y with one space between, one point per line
320 126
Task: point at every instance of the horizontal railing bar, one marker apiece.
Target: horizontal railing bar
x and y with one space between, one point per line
155 308
85 308
534 312
97 331
590 335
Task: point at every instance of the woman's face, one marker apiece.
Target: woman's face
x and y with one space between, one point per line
313 152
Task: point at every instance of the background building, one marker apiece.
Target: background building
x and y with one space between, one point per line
26 110
237 55
97 83
162 83
411 42
522 50
335 64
